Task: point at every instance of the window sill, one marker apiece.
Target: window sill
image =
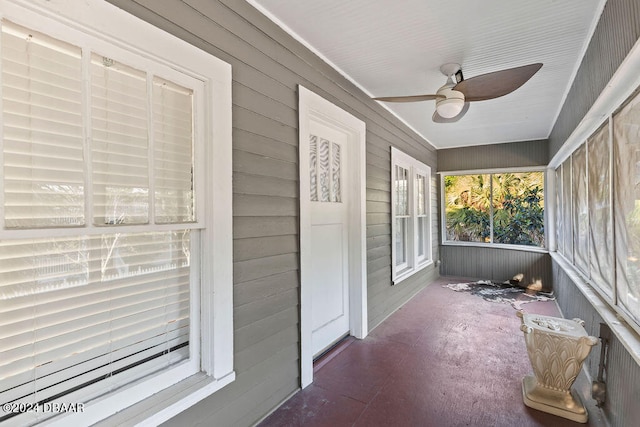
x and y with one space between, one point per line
408 273
169 402
497 246
625 331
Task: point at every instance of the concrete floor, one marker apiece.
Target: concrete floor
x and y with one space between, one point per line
444 359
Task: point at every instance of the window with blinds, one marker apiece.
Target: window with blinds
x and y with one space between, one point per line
99 234
423 249
402 216
411 222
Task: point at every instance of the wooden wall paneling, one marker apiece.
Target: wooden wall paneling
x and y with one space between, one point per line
256 311
255 164
264 146
494 156
260 247
259 226
255 268
264 287
250 205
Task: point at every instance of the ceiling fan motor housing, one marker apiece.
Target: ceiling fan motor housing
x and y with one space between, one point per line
450 106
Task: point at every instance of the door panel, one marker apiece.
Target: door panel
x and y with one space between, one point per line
330 316
329 236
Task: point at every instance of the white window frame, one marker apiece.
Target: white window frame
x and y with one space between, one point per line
414 262
443 219
100 26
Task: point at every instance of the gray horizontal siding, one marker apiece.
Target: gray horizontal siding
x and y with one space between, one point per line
495 156
267 67
615 35
495 264
623 373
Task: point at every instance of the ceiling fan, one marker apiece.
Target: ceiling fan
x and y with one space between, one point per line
452 99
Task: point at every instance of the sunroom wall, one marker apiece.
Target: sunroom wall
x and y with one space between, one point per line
267 67
615 35
483 261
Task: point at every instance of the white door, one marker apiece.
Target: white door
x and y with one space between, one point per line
333 252
328 159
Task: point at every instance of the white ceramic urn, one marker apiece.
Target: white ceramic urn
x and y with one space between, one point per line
556 347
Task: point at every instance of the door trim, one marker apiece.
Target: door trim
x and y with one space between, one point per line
313 107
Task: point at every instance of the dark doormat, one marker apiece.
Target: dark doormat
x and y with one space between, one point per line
501 292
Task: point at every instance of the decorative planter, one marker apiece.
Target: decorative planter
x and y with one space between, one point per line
556 347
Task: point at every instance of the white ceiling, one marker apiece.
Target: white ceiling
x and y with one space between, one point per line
396 47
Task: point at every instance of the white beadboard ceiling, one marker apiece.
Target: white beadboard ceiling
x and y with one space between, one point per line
396 47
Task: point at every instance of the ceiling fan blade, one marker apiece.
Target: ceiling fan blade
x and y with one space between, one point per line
437 118
496 84
411 98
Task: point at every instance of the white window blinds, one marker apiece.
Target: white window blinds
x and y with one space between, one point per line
42 130
173 139
76 310
422 224
119 143
402 215
88 306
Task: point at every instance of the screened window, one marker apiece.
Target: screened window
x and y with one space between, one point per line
102 218
559 210
626 127
500 208
567 210
580 209
601 260
600 213
411 236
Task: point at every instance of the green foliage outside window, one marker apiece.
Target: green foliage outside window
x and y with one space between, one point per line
510 203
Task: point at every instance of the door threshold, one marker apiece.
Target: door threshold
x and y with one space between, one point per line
332 352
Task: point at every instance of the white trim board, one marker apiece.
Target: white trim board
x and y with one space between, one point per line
313 107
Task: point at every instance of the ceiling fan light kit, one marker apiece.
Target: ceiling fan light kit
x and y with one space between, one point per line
450 107
452 103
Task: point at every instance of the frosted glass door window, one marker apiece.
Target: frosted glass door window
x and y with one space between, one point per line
325 166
